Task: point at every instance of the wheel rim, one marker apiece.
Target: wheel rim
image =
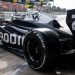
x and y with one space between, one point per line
34 50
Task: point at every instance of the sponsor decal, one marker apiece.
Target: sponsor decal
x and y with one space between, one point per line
1 35
41 40
11 38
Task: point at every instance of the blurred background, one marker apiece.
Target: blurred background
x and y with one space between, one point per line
22 5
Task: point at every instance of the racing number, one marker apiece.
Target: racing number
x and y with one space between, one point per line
73 24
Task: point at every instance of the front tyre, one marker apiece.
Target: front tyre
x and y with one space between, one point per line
35 51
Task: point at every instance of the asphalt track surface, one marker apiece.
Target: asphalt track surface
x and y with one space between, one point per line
13 64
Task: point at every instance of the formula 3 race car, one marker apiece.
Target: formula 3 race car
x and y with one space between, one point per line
40 43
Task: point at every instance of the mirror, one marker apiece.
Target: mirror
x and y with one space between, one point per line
56 24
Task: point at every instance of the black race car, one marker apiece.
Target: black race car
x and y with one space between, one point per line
40 43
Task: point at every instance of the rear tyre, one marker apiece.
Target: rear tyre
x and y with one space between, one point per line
35 51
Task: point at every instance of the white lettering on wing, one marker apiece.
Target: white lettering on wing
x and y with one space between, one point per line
6 37
12 38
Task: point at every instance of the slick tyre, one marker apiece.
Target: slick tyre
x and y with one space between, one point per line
35 51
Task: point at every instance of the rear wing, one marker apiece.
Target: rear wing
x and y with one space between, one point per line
70 19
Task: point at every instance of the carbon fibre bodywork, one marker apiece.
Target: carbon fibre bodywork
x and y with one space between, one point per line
58 41
40 43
